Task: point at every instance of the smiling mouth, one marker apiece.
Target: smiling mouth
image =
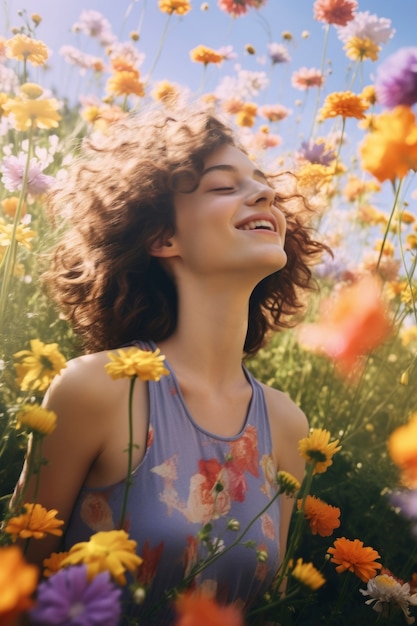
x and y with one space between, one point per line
258 225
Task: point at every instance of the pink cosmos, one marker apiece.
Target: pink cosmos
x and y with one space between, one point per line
338 12
273 112
307 77
235 8
93 23
81 59
12 170
366 26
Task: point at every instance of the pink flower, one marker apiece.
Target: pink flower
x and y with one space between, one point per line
273 112
338 12
12 170
92 23
352 324
307 77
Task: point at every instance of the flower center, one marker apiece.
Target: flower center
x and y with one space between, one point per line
76 609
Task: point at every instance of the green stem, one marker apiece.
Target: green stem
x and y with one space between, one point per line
318 94
12 250
128 481
387 229
159 51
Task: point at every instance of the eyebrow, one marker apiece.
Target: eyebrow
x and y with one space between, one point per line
231 168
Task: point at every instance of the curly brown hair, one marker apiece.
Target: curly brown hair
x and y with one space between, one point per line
118 199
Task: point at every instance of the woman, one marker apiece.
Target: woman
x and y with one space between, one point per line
178 242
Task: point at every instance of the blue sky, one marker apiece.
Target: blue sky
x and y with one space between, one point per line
215 28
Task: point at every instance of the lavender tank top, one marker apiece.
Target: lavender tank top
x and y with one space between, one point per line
190 481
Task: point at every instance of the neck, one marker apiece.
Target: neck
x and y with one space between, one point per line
209 339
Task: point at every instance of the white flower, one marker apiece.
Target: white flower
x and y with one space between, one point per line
9 82
93 23
367 26
384 588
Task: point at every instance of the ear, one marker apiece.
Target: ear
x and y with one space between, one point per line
163 247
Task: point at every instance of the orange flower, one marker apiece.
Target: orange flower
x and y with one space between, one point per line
354 557
37 522
17 583
323 517
125 84
180 7
53 563
22 47
199 610
338 12
203 54
352 324
390 150
402 446
344 103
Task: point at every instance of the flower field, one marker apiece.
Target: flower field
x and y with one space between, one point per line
347 141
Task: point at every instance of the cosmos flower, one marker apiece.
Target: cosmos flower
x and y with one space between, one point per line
307 77
12 170
367 26
396 79
81 59
316 152
308 575
93 24
70 598
273 112
354 557
384 589
317 449
278 53
352 323
338 12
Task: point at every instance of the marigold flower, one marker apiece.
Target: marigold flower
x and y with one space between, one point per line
10 204
36 522
179 7
17 583
288 483
308 575
125 84
38 366
402 446
344 103
37 419
317 450
390 150
353 323
385 588
359 49
52 564
203 54
195 610
33 113
354 557
338 12
165 92
110 551
133 362
322 517
24 48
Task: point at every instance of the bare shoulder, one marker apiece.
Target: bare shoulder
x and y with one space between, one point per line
284 414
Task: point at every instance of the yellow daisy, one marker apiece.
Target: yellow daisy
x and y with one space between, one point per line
110 551
36 418
133 362
24 48
38 366
36 522
30 113
308 575
288 483
317 450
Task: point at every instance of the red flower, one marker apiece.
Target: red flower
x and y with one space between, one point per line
199 610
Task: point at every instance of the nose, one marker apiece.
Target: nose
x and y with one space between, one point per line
261 194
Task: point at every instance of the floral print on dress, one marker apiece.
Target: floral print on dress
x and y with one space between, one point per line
96 512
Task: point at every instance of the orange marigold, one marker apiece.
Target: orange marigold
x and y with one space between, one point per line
22 47
198 609
402 446
17 583
323 517
125 84
354 557
36 522
344 103
180 7
203 54
390 150
52 564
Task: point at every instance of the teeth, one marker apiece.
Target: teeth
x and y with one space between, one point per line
257 224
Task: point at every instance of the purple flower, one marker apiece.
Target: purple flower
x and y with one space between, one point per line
316 153
406 501
278 53
69 599
396 79
12 170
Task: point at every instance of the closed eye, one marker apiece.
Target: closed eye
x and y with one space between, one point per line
223 189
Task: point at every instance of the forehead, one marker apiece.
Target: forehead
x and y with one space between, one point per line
231 156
